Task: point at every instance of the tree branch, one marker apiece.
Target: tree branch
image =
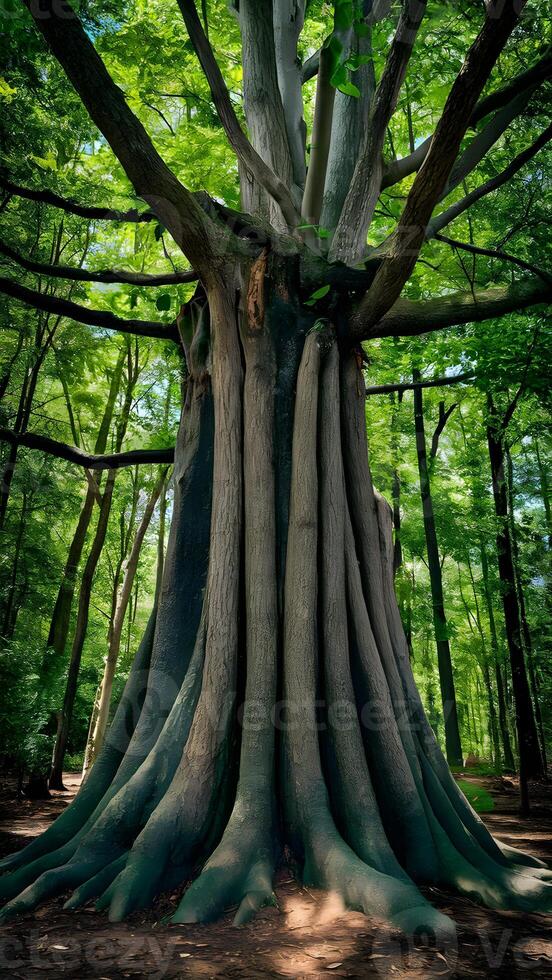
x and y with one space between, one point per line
485 140
249 157
494 253
411 385
507 417
320 140
444 416
310 67
501 19
72 207
358 210
407 318
94 318
104 275
455 210
152 180
397 170
113 461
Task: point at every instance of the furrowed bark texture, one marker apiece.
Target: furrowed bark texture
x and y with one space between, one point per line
272 705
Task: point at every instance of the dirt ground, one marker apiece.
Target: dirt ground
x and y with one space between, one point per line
307 935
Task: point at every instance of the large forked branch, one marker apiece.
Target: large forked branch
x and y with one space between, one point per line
408 318
103 275
94 318
411 385
45 196
431 179
152 180
108 461
397 170
455 210
350 236
249 157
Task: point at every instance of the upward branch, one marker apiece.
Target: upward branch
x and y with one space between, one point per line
433 175
151 178
249 157
455 210
396 170
350 237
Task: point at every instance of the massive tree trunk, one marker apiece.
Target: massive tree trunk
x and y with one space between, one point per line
444 660
314 741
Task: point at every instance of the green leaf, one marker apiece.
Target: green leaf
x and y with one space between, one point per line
349 89
48 162
164 301
6 91
159 231
318 294
343 14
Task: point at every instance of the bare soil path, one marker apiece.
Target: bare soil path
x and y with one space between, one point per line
308 935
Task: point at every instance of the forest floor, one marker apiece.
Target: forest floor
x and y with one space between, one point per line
308 935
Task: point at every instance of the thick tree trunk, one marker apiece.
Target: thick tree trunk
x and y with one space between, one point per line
530 760
444 661
316 741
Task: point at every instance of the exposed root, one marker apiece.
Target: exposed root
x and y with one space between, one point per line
239 872
48 885
96 885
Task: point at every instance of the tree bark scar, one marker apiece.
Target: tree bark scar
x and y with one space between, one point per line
256 292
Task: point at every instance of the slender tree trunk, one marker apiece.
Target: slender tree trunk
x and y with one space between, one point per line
530 760
61 615
485 659
525 630
10 609
396 488
446 678
98 724
66 713
509 763
545 491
